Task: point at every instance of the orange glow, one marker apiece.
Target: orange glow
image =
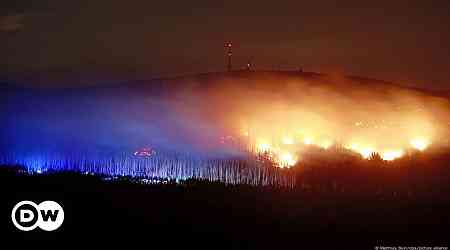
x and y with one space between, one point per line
325 144
298 115
392 154
366 152
288 140
263 147
419 143
283 158
287 159
307 141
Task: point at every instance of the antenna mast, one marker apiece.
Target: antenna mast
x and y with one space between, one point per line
229 55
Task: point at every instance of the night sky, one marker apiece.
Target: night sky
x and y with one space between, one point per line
406 41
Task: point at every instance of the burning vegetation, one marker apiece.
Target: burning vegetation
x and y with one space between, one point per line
237 128
281 117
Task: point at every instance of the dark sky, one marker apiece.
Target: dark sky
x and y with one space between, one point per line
407 41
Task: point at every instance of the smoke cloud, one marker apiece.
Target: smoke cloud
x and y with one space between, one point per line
194 115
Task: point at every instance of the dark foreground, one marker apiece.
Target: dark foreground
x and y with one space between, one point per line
211 215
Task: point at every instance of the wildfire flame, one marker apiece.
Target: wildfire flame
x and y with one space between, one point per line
287 159
284 117
420 143
392 154
282 151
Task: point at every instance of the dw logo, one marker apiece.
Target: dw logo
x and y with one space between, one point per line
48 215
